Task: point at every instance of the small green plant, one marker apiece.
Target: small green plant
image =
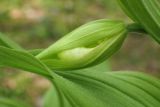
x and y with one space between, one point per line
68 63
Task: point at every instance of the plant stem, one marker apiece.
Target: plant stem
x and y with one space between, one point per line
135 27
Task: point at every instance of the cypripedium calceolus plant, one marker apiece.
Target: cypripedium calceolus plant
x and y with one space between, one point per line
86 46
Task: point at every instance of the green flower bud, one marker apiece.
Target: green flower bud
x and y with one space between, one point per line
86 46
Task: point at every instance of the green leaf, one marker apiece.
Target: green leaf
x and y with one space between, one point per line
102 67
52 96
35 52
55 98
22 60
6 42
145 12
107 89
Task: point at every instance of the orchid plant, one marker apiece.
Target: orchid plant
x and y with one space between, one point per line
76 67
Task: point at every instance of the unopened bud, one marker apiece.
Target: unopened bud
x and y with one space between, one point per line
86 46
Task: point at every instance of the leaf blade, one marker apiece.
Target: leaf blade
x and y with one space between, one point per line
22 60
104 89
145 12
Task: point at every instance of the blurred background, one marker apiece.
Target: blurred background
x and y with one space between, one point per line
39 23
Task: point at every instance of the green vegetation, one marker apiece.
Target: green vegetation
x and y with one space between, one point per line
76 65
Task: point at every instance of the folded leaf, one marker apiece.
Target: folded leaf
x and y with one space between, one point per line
51 98
35 51
107 89
145 12
102 67
57 99
22 60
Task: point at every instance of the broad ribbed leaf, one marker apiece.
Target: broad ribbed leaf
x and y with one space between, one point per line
102 67
35 51
55 99
52 97
21 60
106 89
145 12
